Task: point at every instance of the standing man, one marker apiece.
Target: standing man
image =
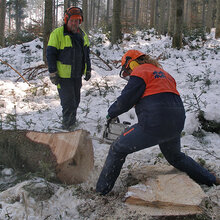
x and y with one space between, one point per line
68 60
161 118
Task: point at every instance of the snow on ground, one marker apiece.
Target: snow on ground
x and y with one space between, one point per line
37 107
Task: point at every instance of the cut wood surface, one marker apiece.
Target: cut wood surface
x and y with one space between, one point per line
66 156
166 191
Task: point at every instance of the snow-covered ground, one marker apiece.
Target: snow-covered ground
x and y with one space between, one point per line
37 107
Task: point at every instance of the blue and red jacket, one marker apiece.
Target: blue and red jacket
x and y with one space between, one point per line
150 90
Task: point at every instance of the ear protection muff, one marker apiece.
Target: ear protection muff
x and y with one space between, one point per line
133 64
124 72
73 11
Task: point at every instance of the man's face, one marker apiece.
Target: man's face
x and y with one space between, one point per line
73 24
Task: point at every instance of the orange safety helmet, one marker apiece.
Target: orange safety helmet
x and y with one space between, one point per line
127 58
74 12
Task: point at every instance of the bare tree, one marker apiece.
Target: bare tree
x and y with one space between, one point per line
172 17
107 12
98 12
48 21
178 27
85 12
152 3
209 15
2 22
137 12
116 23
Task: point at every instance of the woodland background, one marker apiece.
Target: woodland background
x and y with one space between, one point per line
25 20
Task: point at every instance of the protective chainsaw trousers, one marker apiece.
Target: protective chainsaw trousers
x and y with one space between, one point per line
69 93
136 138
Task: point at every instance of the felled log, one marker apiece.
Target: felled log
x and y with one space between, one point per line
67 157
165 191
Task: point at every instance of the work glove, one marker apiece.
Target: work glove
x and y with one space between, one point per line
88 75
54 78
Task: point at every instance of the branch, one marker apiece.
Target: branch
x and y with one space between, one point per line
15 71
101 60
33 70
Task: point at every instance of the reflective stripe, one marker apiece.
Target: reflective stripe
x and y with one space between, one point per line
60 42
128 131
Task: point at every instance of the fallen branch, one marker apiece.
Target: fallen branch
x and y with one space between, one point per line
101 60
33 71
15 71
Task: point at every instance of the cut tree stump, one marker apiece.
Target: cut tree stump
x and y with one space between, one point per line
67 157
165 191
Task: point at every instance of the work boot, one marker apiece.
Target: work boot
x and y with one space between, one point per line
217 182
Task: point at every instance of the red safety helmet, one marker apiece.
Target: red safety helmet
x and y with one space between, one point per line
74 12
127 58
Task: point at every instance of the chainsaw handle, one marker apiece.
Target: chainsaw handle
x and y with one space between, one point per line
112 119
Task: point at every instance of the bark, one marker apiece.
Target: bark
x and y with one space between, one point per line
66 157
2 22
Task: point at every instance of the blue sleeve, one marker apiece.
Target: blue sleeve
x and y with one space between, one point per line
52 54
129 97
88 59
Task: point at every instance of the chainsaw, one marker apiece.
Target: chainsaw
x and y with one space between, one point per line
113 129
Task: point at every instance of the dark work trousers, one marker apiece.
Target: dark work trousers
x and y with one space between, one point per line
69 93
164 132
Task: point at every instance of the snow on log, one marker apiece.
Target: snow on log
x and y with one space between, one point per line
67 157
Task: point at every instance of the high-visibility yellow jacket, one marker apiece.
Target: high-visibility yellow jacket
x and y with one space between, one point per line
61 54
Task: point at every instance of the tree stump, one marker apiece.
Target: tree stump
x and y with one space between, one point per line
67 157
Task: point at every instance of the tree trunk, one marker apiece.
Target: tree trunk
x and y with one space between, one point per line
17 18
2 22
162 18
156 17
93 14
107 12
152 12
217 34
172 17
177 38
137 12
48 22
67 157
209 16
66 4
98 11
116 23
85 12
